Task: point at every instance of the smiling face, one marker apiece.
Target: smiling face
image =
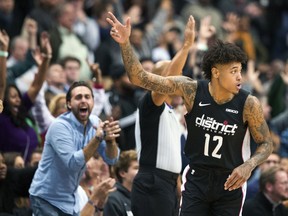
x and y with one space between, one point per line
278 191
14 100
81 103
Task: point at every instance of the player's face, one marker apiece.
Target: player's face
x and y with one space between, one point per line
81 103
229 76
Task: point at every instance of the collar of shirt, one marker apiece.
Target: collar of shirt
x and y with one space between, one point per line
64 31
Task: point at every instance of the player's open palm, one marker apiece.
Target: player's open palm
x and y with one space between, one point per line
119 32
189 33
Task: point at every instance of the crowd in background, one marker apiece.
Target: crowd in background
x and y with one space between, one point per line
82 49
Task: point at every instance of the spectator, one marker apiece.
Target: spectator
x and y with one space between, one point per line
97 200
56 81
22 71
253 181
20 47
201 9
43 13
107 54
169 43
9 19
35 157
14 183
66 150
273 186
18 132
279 126
278 93
239 33
119 201
97 170
64 41
71 66
86 27
144 39
123 98
14 159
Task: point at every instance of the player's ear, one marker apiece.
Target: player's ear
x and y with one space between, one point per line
215 72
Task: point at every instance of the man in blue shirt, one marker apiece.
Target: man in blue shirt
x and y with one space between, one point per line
70 142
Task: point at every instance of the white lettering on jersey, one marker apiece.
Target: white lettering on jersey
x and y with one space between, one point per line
211 124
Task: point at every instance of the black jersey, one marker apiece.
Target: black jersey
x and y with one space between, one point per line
217 135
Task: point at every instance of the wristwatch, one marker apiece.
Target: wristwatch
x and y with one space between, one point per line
100 139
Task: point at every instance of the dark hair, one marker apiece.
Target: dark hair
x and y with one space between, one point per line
23 113
58 11
221 53
66 59
146 58
10 158
74 85
117 71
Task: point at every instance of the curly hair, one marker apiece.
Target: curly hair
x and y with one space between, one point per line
221 53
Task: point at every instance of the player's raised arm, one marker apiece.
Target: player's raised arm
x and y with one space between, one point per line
137 75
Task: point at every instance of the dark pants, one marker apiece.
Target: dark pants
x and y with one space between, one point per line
204 194
41 207
154 193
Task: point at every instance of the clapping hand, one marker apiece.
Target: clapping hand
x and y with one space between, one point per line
112 129
101 191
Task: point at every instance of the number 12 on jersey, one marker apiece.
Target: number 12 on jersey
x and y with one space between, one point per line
215 152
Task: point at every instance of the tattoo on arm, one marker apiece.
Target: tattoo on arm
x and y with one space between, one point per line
177 85
132 65
253 113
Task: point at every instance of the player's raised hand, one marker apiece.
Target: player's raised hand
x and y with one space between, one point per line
119 32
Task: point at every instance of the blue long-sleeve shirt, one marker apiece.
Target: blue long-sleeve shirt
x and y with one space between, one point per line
63 163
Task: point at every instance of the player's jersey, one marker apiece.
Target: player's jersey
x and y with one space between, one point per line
158 136
217 136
